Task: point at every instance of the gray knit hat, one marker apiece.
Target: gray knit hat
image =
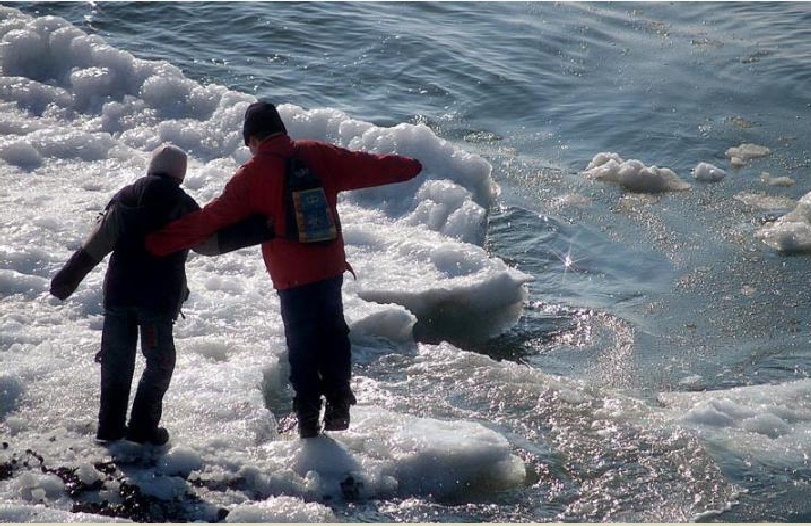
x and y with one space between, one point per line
168 159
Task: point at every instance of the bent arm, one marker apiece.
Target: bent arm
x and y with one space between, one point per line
195 228
99 243
253 230
105 235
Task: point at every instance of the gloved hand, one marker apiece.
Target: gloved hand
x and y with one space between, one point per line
65 281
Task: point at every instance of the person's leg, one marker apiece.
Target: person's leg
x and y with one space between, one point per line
158 348
335 357
300 322
119 336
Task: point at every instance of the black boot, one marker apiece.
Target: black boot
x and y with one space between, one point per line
336 415
157 436
105 435
309 415
147 407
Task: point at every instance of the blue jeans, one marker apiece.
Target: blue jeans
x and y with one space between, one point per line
317 337
119 337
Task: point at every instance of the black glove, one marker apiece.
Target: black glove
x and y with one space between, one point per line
74 271
252 230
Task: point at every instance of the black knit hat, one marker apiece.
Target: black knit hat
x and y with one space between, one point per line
262 119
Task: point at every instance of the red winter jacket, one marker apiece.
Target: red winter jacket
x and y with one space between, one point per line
256 187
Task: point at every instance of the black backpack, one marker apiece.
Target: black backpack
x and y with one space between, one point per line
308 215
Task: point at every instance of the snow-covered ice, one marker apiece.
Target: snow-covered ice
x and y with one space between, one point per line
80 119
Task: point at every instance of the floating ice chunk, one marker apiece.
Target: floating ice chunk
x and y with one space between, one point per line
708 172
767 178
765 201
633 175
428 456
747 151
739 155
791 233
455 291
787 237
781 181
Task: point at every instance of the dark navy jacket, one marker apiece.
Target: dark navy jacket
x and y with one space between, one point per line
135 278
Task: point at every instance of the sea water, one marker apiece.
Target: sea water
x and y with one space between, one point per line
603 263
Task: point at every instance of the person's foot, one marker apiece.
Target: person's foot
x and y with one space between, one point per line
336 416
106 436
308 415
308 428
156 437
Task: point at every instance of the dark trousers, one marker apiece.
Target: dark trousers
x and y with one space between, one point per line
119 337
317 341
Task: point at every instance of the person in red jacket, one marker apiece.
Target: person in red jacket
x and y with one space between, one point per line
306 258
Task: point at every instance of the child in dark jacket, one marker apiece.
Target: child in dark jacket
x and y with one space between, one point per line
143 292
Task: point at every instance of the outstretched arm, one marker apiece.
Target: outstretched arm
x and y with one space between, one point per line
353 169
